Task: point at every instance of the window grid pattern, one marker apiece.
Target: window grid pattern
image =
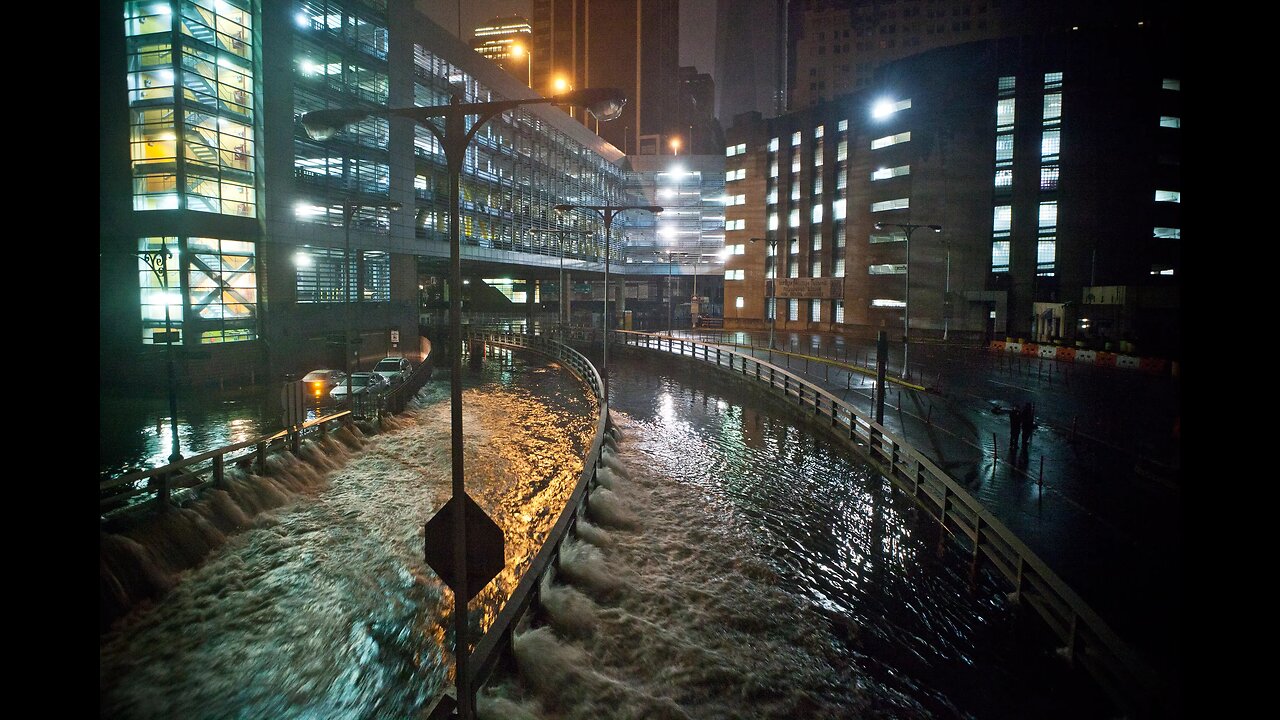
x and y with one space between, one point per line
191 106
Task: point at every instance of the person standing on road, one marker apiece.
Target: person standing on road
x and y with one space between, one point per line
1015 425
1028 421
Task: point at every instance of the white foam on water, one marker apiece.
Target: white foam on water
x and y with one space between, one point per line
607 509
593 534
571 613
612 462
584 566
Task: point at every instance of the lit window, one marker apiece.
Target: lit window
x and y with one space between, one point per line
816 214
1000 256
891 140
1161 270
773 145
1048 214
837 269
815 310
1053 80
1167 233
1172 196
898 204
1171 84
1004 178
887 303
838 209
839 313
886 173
738 303
1049 177
1046 254
842 151
1005 84
842 126
887 269
1004 147
773 221
885 108
883 238
1052 108
1170 122
1004 114
793 219
817 132
795 138
793 309
1050 143
1003 219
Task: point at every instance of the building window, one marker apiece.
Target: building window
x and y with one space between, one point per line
1049 177
1000 256
816 213
1171 84
839 311
773 221
734 275
1004 178
1004 147
891 140
815 310
842 126
795 138
1172 196
1004 114
738 303
1170 122
838 268
886 173
817 132
771 308
154 298
773 145
815 267
886 108
222 283
793 309
1052 108
1052 80
1161 270
1050 144
1005 84
319 276
898 204
1167 233
213 138
886 238
1048 214
1046 255
1002 219
888 269
887 303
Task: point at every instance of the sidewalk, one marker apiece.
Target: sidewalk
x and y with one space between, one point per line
1096 493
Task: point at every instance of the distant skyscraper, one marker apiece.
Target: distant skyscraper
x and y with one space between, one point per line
506 41
630 44
751 58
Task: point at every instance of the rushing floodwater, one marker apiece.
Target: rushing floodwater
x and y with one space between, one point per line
739 567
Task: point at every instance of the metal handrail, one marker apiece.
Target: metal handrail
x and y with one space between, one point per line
199 471
1087 639
497 640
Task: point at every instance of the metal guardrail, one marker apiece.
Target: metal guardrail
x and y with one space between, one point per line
1086 638
496 644
159 487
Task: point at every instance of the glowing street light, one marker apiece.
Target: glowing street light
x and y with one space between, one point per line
518 50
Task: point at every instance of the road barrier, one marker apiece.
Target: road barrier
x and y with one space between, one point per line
1086 638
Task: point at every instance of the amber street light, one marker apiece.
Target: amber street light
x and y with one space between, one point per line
527 54
454 137
675 146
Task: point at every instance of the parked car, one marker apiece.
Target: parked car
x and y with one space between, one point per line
320 382
394 370
362 383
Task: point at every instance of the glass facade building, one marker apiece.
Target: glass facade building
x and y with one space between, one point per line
277 241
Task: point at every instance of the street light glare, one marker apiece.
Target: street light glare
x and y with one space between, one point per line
882 109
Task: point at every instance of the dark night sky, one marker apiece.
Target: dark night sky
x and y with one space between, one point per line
696 48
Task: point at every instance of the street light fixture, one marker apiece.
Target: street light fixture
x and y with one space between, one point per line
158 261
671 298
454 137
907 228
773 300
348 212
607 212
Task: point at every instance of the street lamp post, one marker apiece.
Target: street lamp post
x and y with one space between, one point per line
607 212
348 212
454 138
158 261
560 303
519 50
907 228
773 300
671 298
